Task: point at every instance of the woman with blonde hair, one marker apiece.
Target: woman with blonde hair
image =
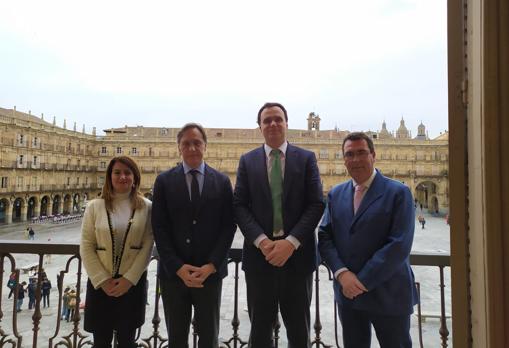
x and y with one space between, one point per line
116 246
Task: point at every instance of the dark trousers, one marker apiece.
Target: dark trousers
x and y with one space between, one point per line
178 301
292 294
125 339
45 300
31 302
392 331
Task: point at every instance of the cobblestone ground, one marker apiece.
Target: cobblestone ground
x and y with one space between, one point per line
434 238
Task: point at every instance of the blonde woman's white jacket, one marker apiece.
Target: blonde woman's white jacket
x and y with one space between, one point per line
96 245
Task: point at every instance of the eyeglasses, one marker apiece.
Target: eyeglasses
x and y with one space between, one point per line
361 154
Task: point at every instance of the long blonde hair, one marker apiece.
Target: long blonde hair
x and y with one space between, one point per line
135 194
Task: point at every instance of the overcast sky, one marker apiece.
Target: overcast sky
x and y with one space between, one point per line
164 63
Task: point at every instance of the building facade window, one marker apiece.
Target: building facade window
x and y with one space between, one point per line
21 139
4 182
68 180
20 159
324 154
35 141
34 161
103 150
134 151
102 165
119 150
19 182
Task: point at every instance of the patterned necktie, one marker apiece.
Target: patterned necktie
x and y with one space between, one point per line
276 189
195 190
357 197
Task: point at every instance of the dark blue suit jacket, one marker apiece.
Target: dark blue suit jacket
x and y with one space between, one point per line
302 207
183 239
374 244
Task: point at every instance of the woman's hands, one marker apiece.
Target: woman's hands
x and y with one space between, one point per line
116 287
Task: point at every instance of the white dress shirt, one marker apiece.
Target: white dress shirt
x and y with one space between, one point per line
295 242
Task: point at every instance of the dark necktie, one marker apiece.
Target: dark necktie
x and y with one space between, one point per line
195 190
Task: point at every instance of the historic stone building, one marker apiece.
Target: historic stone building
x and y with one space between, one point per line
48 170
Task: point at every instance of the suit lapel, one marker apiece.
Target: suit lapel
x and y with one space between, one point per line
375 191
181 187
208 185
260 167
346 204
291 159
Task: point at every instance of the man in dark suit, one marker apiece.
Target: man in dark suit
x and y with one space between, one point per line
365 238
193 227
278 203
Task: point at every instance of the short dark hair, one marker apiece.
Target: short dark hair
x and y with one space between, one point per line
191 125
358 136
271 105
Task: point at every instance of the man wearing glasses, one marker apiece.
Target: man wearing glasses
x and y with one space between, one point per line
365 238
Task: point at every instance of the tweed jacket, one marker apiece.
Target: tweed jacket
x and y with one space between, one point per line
96 244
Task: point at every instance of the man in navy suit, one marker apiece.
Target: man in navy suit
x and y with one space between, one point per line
278 203
193 226
365 238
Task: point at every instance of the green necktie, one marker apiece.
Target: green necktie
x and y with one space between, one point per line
276 189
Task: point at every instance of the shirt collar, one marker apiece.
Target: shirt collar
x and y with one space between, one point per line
268 149
368 182
200 169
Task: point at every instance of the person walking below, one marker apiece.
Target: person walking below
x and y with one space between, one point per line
421 220
32 285
31 233
71 304
65 305
21 296
46 289
11 284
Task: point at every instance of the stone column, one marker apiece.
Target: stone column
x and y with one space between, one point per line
8 214
37 208
61 205
24 211
49 207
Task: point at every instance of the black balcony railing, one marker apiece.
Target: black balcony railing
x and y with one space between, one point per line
74 337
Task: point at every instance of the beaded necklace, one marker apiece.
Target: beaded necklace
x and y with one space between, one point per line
116 259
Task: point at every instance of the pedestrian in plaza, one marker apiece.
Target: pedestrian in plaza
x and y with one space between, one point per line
421 220
65 305
71 305
31 233
278 202
11 284
46 289
21 296
32 286
365 238
192 219
116 246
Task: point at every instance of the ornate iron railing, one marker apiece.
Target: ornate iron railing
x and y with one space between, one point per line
75 337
